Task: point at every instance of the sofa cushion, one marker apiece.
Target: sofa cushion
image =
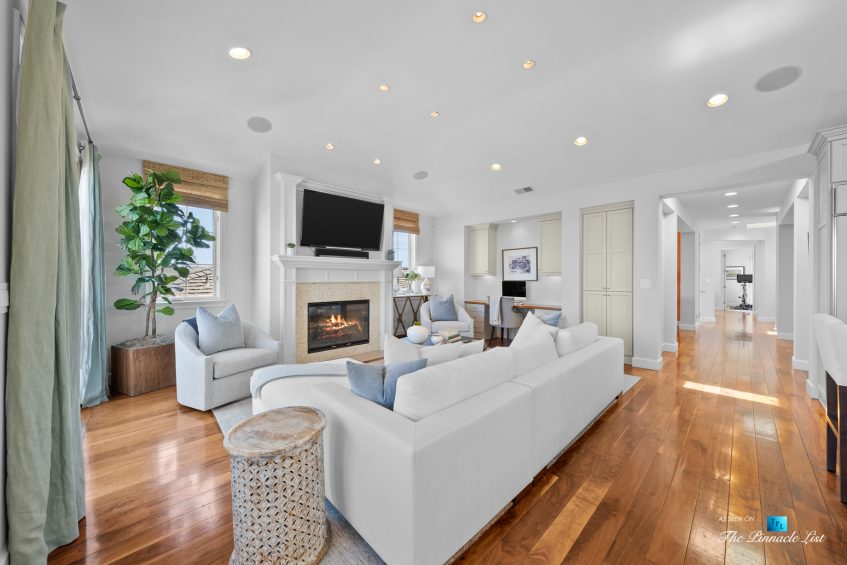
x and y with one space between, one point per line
442 309
576 337
433 389
233 361
221 332
378 383
552 319
399 351
456 325
535 348
193 323
530 322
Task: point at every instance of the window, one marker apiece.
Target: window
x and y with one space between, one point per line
202 281
403 244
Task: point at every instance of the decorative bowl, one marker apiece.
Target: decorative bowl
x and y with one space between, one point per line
417 334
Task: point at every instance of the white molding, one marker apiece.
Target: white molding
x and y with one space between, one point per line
767 319
643 363
609 207
311 262
670 347
4 298
824 136
708 320
799 364
788 336
811 389
689 327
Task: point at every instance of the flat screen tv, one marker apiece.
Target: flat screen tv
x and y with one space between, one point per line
330 220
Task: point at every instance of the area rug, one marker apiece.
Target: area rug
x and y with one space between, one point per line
629 381
345 543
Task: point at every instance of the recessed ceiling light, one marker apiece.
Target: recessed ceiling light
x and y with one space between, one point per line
496 167
330 146
581 140
240 53
730 194
513 221
733 215
377 161
733 206
479 17
734 222
777 79
529 64
434 114
259 124
717 100
384 87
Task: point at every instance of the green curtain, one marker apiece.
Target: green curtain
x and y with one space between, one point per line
45 483
94 381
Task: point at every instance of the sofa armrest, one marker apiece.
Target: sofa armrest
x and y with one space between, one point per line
424 317
193 370
258 339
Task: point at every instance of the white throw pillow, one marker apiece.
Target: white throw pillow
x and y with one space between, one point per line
430 390
399 351
535 349
530 322
221 332
576 337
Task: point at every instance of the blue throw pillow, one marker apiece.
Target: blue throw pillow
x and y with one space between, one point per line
193 323
442 309
378 383
551 319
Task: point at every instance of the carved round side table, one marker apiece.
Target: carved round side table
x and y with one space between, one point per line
276 460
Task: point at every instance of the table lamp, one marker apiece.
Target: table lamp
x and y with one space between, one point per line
427 272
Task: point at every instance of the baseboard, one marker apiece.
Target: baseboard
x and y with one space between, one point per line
799 364
785 335
670 347
643 363
689 327
811 389
767 319
708 319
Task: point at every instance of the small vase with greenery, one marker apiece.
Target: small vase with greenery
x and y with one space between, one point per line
290 249
159 239
413 279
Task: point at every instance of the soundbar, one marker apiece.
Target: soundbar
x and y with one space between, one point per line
334 252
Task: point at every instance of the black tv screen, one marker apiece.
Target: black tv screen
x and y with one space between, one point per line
330 220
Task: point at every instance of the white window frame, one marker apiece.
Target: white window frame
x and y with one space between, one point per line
219 297
413 248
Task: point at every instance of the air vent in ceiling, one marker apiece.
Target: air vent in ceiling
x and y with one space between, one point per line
523 190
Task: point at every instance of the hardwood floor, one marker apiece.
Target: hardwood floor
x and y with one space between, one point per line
722 437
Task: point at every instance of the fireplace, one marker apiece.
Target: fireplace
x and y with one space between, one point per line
334 325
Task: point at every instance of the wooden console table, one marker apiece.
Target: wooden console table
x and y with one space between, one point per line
401 302
521 305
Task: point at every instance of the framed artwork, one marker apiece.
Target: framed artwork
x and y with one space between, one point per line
520 264
732 273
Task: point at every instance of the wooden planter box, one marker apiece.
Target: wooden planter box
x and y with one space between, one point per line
140 365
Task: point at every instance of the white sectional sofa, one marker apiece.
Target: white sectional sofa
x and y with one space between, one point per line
419 488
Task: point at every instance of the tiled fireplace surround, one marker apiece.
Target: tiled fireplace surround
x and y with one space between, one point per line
305 279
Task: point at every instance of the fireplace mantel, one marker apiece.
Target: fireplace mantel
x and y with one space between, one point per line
298 269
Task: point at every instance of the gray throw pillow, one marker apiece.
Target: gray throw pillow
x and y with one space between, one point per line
442 309
218 333
378 383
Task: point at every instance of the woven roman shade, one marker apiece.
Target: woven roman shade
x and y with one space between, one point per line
198 188
405 221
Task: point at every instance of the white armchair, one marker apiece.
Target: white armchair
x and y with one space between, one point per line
204 381
464 325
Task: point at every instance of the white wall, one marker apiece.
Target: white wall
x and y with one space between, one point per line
763 241
669 263
802 285
688 281
236 241
785 282
524 233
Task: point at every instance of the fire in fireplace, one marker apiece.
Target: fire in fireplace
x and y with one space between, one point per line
333 325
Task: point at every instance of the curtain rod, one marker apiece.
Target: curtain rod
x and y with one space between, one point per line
78 100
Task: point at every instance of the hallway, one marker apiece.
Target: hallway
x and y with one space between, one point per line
722 437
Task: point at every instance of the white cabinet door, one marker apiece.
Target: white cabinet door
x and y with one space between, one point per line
619 250
479 252
839 160
550 243
594 309
594 251
619 318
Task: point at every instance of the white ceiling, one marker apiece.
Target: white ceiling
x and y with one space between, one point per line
755 204
632 76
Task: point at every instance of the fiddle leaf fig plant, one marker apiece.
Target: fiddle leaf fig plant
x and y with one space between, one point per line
159 239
